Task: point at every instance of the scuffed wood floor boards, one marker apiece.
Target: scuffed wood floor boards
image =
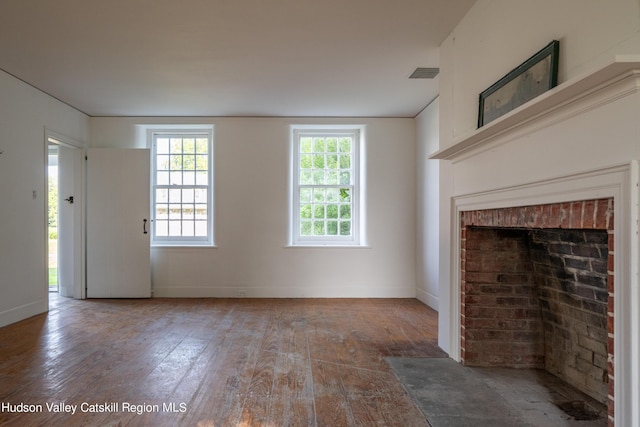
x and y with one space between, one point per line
216 362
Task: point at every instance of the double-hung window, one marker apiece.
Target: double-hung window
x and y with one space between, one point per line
182 186
325 186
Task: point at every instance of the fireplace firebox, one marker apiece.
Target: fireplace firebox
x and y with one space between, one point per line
537 291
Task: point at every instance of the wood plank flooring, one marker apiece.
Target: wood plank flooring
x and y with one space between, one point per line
215 362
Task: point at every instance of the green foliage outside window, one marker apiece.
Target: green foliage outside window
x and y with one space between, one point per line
325 177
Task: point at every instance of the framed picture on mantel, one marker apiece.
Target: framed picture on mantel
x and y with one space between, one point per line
532 78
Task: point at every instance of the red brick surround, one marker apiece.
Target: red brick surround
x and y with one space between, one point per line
500 299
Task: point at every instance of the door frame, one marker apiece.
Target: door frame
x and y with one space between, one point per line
52 137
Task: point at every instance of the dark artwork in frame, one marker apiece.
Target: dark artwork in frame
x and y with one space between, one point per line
532 78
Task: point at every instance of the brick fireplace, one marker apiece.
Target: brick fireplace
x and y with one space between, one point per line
537 291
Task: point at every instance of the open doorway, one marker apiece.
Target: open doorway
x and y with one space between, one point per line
52 215
65 217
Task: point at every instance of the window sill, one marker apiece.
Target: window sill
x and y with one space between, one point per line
183 246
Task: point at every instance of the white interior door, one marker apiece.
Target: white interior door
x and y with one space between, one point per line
70 221
118 244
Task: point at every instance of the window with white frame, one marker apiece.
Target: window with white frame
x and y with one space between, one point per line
182 181
325 187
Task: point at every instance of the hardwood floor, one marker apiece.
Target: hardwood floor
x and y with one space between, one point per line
214 362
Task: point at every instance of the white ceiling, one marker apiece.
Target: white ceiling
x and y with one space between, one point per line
229 57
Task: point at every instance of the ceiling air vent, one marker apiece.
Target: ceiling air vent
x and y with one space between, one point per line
424 73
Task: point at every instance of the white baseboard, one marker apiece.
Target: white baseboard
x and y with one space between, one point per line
281 292
428 298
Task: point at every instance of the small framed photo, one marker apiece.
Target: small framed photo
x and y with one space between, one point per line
532 78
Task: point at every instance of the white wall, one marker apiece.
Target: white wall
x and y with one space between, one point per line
251 211
428 206
24 114
493 38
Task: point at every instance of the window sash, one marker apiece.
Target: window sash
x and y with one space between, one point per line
328 214
182 196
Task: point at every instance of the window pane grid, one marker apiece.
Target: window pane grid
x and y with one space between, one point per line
325 218
182 210
326 181
181 187
325 161
325 208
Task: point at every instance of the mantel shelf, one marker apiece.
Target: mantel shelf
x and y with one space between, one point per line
567 92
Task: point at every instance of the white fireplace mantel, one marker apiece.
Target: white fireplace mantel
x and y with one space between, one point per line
592 88
558 114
